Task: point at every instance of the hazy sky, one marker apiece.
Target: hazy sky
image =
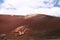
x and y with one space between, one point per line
24 7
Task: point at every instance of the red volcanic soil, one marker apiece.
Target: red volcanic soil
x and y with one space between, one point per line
8 22
41 23
35 26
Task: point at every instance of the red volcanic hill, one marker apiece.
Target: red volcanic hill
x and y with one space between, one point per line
8 22
40 23
35 24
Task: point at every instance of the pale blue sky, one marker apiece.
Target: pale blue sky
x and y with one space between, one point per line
24 7
1 1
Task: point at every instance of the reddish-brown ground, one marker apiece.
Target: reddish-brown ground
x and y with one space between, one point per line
30 27
8 22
